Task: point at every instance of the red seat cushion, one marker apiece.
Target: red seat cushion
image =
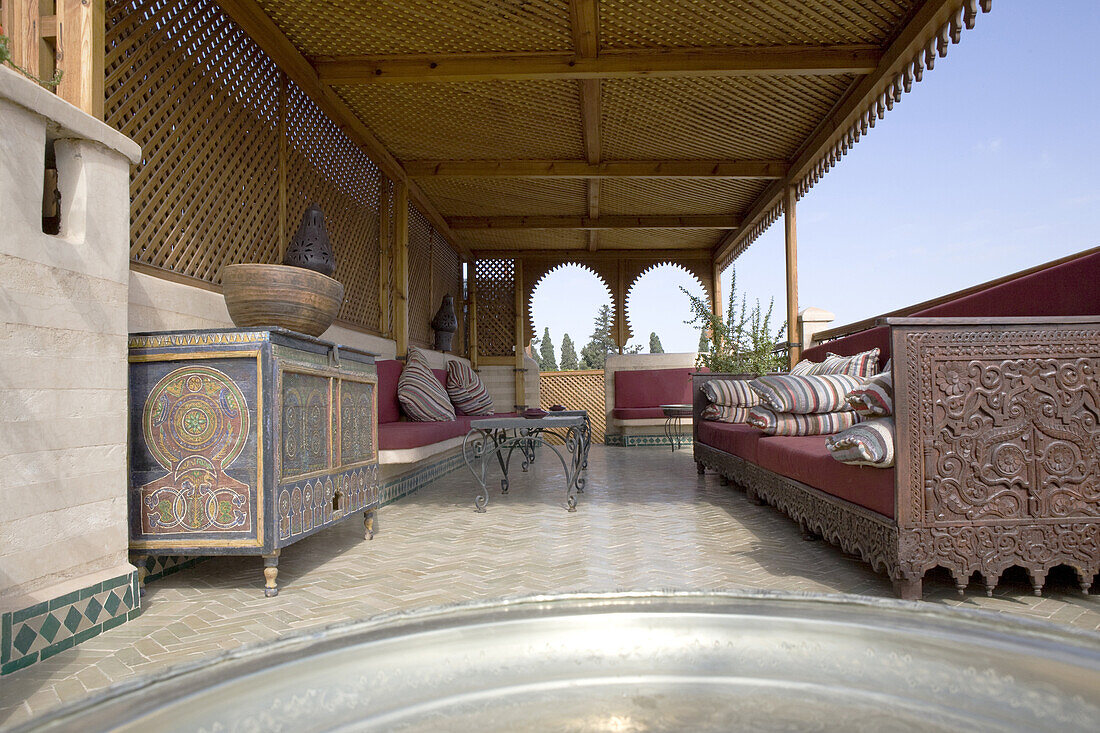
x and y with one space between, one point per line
805 458
403 434
736 438
653 387
389 371
636 413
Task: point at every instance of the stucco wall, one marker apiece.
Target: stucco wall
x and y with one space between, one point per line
63 388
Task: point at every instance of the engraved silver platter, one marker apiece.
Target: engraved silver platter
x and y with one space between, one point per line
751 661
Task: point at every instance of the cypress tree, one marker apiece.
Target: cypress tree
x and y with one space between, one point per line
547 361
655 344
568 355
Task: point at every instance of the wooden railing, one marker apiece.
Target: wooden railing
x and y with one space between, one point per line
578 390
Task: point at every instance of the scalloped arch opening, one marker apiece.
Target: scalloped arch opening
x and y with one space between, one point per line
557 277
650 278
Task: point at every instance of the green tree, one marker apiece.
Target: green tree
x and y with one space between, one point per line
547 361
704 343
743 341
655 344
568 355
600 343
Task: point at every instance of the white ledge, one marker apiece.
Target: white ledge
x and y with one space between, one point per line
65 120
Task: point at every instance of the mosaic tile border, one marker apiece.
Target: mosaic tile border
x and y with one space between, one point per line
37 632
634 441
159 566
409 483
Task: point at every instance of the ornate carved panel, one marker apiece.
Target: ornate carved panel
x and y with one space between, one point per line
1005 423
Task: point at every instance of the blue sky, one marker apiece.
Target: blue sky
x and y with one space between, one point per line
990 165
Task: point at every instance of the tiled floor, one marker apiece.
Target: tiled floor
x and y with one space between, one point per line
646 521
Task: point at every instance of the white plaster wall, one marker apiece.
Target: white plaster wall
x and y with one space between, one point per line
500 380
63 372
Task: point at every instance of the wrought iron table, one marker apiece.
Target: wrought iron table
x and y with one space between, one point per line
674 423
502 436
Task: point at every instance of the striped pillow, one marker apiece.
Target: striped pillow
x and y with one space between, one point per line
804 367
869 443
785 423
420 393
725 413
466 391
863 364
804 394
730 393
875 398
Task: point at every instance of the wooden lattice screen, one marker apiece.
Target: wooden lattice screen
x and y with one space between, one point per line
421 307
580 390
496 306
326 168
207 107
447 280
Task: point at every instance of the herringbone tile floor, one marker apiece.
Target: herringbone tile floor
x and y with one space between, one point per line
646 521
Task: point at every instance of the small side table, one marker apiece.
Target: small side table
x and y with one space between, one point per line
674 423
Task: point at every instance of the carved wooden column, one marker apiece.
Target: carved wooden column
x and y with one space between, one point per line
790 231
401 267
80 53
716 289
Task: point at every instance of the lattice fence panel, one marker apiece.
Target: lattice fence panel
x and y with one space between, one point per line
580 390
202 101
326 168
421 301
496 306
447 279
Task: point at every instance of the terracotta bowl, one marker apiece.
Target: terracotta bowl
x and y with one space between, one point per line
280 295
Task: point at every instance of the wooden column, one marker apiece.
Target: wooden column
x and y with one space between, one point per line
21 25
401 268
521 362
471 290
385 257
716 306
80 53
790 232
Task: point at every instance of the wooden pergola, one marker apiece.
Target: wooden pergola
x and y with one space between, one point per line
614 134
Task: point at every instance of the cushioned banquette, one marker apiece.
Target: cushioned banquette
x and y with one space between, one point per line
967 492
397 433
640 393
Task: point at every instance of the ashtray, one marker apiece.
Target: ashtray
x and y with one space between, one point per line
534 413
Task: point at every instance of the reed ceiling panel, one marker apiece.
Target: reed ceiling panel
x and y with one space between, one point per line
714 117
421 307
507 196
658 238
472 120
678 196
320 28
202 100
676 24
525 239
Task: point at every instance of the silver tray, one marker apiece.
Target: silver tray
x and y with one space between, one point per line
632 662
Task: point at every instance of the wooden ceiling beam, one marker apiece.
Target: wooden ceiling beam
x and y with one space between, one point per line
917 35
256 23
604 255
584 17
459 223
606 169
754 61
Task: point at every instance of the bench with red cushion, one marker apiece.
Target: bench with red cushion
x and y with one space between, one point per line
640 393
397 433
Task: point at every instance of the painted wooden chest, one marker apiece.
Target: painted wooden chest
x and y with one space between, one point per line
244 441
